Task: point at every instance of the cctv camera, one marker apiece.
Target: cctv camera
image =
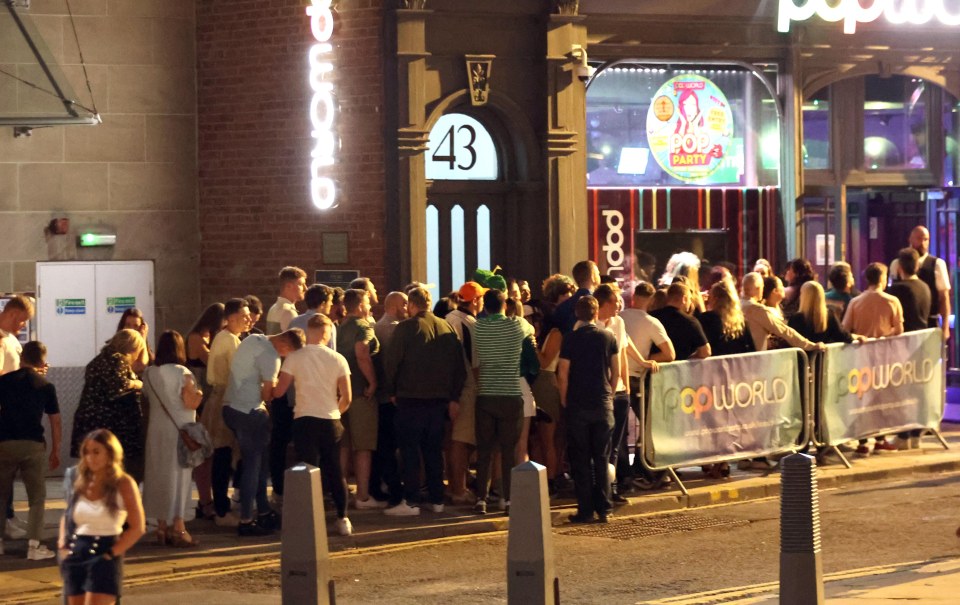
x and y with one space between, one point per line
585 72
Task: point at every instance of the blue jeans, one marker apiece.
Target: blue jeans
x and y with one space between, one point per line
253 436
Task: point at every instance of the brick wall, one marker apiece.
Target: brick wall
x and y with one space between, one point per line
254 144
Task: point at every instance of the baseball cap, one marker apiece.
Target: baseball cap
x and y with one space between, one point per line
471 291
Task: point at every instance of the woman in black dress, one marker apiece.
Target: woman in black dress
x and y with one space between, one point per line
723 324
110 398
814 322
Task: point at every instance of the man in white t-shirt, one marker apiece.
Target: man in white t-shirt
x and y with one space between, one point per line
322 379
13 318
645 331
293 286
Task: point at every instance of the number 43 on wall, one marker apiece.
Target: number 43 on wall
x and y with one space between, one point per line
461 148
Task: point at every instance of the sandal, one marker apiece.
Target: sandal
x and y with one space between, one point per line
181 539
161 536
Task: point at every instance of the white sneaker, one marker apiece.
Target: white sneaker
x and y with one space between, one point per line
370 502
402 510
914 442
231 519
344 527
16 529
437 508
902 444
39 552
503 505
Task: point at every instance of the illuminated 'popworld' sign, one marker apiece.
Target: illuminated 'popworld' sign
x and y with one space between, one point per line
851 12
323 109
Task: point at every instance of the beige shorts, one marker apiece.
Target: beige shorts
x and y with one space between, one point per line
360 422
465 426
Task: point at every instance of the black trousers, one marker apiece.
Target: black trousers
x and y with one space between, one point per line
281 415
588 450
619 453
220 474
384 467
420 426
317 442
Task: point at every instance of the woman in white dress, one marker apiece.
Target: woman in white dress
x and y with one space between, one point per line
174 398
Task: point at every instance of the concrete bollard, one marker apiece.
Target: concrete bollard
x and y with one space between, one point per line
304 558
801 567
531 576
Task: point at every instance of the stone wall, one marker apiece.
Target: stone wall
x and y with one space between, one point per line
135 174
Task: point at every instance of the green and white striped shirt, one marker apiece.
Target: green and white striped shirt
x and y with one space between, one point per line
497 343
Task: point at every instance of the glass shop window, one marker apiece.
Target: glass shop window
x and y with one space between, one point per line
681 125
895 123
816 131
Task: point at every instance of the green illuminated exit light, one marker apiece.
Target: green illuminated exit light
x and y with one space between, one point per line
97 239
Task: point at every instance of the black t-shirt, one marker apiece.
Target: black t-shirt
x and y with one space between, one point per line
25 397
721 345
684 331
914 296
589 349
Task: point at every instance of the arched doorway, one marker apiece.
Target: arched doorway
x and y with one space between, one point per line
476 199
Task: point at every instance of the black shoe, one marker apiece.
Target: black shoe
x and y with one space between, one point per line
580 518
252 529
269 520
618 499
602 519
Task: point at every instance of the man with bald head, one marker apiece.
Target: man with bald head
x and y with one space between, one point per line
933 272
762 320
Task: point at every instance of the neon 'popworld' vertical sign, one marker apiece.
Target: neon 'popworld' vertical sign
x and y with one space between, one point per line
323 107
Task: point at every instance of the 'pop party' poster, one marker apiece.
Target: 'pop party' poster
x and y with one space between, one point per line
689 127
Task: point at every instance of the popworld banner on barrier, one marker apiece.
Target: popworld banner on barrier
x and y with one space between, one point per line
882 386
723 408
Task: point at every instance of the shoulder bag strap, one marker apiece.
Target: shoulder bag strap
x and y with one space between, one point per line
149 383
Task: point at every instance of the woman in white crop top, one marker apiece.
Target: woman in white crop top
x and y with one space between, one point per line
92 539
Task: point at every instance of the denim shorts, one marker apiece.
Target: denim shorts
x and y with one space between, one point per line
84 568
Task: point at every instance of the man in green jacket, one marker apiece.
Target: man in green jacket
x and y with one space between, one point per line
425 375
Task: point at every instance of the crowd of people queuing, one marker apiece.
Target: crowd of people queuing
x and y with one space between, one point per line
407 402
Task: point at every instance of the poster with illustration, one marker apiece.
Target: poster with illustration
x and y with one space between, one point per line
689 128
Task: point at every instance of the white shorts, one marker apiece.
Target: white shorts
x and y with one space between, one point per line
529 405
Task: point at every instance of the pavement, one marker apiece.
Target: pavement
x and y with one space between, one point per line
221 551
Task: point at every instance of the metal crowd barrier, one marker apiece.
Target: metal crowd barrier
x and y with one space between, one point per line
881 387
726 409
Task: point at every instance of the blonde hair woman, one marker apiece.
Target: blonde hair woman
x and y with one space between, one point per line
724 324
110 398
813 321
92 538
